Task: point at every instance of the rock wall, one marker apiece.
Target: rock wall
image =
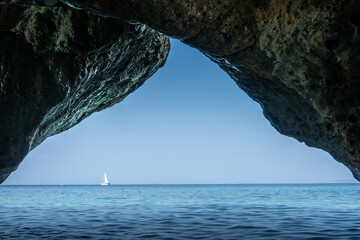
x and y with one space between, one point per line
298 59
58 65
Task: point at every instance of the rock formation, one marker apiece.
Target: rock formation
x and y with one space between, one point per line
58 65
299 59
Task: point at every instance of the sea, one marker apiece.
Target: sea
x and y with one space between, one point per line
264 211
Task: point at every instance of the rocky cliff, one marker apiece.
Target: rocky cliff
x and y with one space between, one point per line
58 65
298 59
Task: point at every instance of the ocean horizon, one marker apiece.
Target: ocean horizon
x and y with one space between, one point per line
177 184
181 211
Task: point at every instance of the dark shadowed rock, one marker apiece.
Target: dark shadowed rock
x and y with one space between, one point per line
58 65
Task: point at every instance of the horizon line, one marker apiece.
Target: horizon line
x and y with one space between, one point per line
156 184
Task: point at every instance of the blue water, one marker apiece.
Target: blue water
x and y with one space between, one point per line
323 211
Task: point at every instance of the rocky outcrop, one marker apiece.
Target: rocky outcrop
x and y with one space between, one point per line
58 65
298 59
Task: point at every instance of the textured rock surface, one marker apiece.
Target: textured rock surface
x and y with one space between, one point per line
299 59
58 65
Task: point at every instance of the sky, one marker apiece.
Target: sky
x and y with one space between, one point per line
188 124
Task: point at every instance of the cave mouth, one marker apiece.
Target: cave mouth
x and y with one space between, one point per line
189 123
78 57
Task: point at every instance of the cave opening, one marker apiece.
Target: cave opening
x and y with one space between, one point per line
189 123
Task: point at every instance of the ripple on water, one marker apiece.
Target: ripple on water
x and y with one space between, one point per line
181 212
94 223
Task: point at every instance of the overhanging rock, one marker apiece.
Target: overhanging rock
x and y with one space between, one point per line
58 65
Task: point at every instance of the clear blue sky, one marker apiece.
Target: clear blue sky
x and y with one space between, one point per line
189 123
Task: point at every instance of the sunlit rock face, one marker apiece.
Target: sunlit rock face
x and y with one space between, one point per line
58 65
299 59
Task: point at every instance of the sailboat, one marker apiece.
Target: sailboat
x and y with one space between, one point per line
105 181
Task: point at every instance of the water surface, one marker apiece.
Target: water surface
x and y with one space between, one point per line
309 211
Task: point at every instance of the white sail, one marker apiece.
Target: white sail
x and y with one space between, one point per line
105 180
